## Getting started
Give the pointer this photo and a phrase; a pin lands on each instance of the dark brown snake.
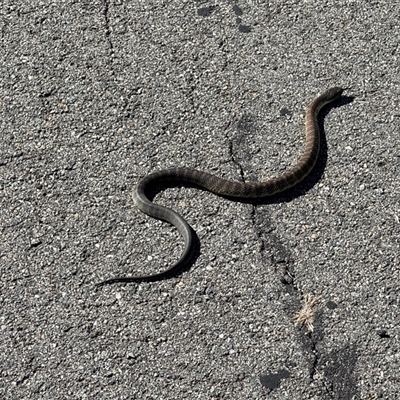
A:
(224, 187)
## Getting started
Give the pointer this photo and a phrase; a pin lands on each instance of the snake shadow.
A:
(286, 196)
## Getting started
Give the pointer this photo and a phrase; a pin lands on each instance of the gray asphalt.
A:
(97, 94)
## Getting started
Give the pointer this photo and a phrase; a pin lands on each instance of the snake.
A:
(225, 187)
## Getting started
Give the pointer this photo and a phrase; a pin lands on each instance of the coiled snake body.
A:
(224, 187)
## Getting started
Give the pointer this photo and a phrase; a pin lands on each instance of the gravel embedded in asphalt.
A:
(96, 95)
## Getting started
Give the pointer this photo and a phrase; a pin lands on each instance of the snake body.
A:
(224, 187)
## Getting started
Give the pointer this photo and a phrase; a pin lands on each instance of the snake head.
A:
(333, 93)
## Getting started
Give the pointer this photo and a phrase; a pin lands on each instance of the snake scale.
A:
(224, 187)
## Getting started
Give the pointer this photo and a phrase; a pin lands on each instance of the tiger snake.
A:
(224, 187)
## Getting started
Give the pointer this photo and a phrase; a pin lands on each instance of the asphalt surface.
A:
(97, 94)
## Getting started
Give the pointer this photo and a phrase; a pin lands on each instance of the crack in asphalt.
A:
(105, 12)
(282, 265)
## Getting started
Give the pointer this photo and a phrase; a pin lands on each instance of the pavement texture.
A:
(97, 94)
